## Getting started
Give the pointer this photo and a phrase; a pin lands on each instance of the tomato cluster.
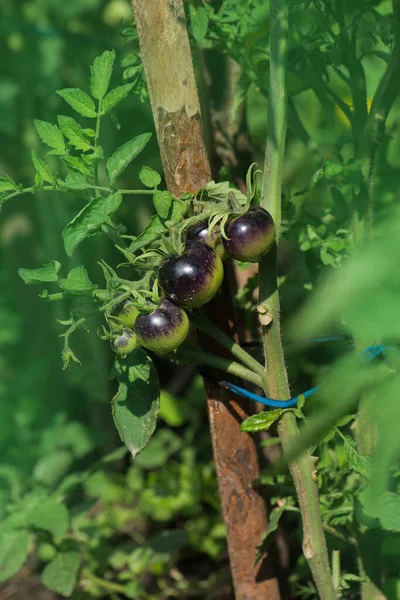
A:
(191, 279)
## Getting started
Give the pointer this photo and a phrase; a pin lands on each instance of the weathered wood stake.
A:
(174, 99)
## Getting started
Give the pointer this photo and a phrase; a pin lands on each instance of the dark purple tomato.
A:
(126, 312)
(200, 233)
(164, 329)
(250, 236)
(124, 343)
(194, 277)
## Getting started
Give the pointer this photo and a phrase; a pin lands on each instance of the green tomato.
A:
(127, 313)
(124, 343)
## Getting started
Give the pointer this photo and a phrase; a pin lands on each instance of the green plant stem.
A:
(205, 325)
(50, 188)
(103, 583)
(275, 376)
(198, 357)
(96, 143)
(336, 569)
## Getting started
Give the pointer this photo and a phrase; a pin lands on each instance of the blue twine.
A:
(369, 353)
(267, 401)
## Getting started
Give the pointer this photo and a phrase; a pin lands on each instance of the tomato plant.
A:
(315, 240)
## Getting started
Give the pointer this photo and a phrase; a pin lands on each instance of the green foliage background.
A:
(144, 524)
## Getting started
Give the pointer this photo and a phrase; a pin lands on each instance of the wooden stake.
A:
(166, 55)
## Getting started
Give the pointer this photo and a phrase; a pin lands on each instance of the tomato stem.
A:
(213, 331)
(276, 383)
(198, 357)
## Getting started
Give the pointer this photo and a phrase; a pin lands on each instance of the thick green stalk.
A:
(198, 357)
(276, 381)
(205, 325)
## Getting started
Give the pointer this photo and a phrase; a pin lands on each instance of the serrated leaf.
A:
(51, 136)
(50, 516)
(149, 177)
(89, 220)
(46, 274)
(359, 464)
(74, 162)
(274, 518)
(14, 548)
(61, 574)
(76, 181)
(157, 226)
(101, 74)
(77, 282)
(261, 421)
(80, 101)
(121, 158)
(74, 133)
(137, 402)
(345, 420)
(198, 22)
(7, 184)
(115, 96)
(89, 132)
(328, 436)
(162, 203)
(43, 171)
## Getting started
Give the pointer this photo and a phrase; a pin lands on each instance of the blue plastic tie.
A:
(369, 353)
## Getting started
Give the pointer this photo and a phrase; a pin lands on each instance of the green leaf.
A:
(76, 163)
(101, 74)
(261, 421)
(77, 282)
(115, 96)
(172, 409)
(357, 463)
(157, 226)
(149, 177)
(163, 444)
(7, 184)
(14, 548)
(50, 516)
(80, 101)
(61, 574)
(149, 234)
(74, 133)
(89, 220)
(133, 590)
(43, 172)
(199, 22)
(345, 420)
(385, 507)
(162, 203)
(51, 136)
(137, 402)
(328, 436)
(121, 158)
(46, 274)
(50, 468)
(274, 518)
(76, 181)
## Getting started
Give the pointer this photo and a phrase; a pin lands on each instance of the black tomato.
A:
(194, 277)
(164, 329)
(250, 236)
(126, 312)
(200, 233)
(124, 343)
